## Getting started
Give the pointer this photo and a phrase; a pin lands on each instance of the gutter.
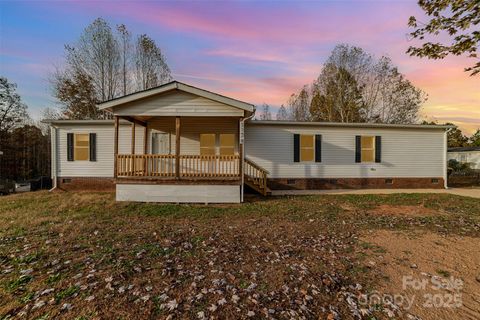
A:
(242, 123)
(53, 155)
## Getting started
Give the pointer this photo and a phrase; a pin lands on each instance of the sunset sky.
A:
(253, 51)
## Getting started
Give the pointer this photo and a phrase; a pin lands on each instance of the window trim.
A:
(313, 148)
(75, 153)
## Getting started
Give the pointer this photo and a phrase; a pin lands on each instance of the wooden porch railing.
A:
(209, 166)
(161, 165)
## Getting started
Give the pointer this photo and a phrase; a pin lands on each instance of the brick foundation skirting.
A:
(354, 183)
(108, 184)
(86, 183)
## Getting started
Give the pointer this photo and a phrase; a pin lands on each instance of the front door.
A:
(160, 143)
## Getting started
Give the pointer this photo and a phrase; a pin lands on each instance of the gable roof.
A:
(175, 85)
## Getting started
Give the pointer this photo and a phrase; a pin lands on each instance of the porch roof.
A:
(175, 85)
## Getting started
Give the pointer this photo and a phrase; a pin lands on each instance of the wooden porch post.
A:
(145, 162)
(177, 147)
(133, 149)
(115, 148)
(133, 137)
(145, 135)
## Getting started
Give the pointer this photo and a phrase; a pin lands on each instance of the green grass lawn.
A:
(84, 256)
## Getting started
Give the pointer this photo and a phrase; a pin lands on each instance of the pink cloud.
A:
(254, 56)
(262, 52)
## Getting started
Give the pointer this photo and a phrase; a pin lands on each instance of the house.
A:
(179, 143)
(466, 155)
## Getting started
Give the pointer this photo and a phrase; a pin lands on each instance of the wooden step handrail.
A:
(254, 164)
(257, 174)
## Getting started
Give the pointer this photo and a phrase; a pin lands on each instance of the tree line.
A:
(354, 86)
(25, 148)
(104, 63)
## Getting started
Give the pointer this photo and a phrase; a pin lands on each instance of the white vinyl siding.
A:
(405, 152)
(178, 103)
(191, 128)
(103, 166)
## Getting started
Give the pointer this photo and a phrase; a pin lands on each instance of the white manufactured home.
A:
(179, 143)
(470, 155)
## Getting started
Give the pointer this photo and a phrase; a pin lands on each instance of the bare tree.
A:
(103, 65)
(282, 113)
(97, 56)
(265, 114)
(125, 40)
(150, 64)
(354, 86)
(336, 96)
(48, 113)
(300, 104)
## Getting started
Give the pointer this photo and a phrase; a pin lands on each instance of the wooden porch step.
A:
(252, 183)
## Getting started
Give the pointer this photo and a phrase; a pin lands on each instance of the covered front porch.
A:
(206, 149)
(185, 145)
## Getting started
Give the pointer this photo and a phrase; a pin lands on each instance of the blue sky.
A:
(254, 51)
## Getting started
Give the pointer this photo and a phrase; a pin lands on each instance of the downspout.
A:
(53, 156)
(243, 154)
(445, 158)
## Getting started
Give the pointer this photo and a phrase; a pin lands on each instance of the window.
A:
(368, 148)
(81, 147)
(227, 144)
(207, 144)
(307, 145)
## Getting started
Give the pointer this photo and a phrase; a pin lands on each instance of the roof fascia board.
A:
(348, 125)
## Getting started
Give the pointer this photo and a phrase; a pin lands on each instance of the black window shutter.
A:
(296, 148)
(93, 146)
(69, 146)
(318, 148)
(378, 149)
(358, 148)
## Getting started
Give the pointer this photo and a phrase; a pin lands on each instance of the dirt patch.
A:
(430, 259)
(414, 211)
